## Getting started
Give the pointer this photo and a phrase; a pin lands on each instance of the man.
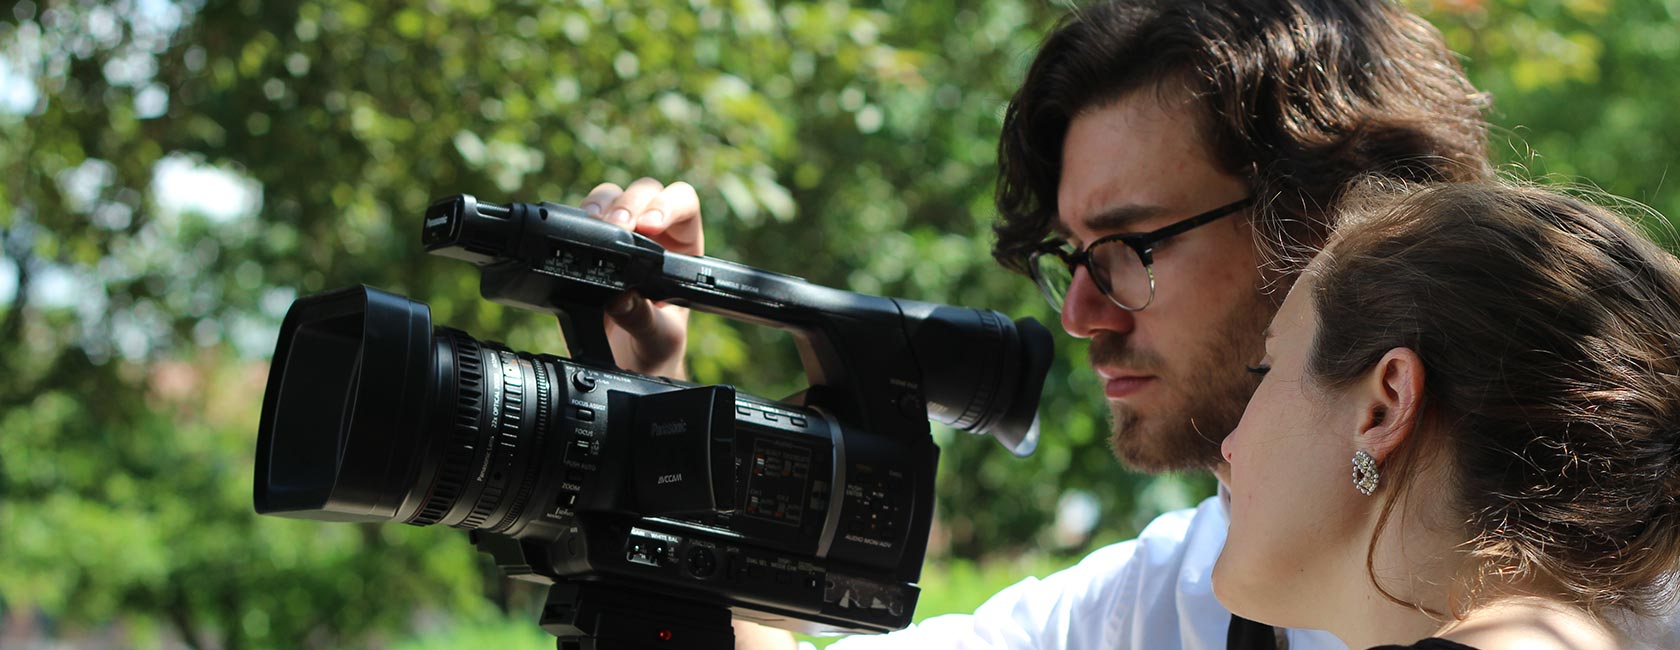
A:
(1151, 146)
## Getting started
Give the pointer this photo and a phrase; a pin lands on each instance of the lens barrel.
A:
(371, 415)
(499, 414)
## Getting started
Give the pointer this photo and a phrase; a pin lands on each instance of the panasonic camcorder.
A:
(656, 509)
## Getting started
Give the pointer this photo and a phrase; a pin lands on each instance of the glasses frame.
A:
(1141, 243)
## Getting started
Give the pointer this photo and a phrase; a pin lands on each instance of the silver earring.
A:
(1364, 472)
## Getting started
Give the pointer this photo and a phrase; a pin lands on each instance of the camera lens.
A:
(501, 402)
(371, 415)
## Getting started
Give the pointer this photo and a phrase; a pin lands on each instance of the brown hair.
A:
(1300, 98)
(1547, 328)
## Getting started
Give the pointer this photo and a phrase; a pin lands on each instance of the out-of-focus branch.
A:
(11, 324)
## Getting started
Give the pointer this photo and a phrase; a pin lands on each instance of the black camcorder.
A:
(656, 509)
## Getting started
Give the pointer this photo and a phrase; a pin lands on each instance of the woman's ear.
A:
(1391, 403)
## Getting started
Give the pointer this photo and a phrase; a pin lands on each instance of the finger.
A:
(628, 207)
(633, 313)
(646, 337)
(672, 217)
(599, 198)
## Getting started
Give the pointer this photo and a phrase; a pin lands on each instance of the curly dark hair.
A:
(1300, 97)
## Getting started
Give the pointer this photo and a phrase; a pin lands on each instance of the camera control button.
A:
(701, 562)
(911, 406)
(583, 381)
(583, 414)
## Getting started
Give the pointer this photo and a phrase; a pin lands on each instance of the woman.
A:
(1502, 366)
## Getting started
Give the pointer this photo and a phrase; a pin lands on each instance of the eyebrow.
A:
(1115, 219)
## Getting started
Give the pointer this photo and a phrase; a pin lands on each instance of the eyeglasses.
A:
(1122, 265)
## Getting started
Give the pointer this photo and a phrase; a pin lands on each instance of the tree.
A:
(851, 143)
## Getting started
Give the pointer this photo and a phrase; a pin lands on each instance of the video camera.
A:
(657, 509)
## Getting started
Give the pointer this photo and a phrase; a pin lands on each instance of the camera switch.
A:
(701, 562)
(910, 404)
(583, 381)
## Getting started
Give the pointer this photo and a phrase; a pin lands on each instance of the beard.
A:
(1204, 394)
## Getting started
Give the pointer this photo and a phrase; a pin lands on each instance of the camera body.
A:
(781, 510)
(809, 513)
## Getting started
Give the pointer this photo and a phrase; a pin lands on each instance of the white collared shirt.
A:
(1150, 593)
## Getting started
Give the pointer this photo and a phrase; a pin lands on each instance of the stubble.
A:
(1205, 394)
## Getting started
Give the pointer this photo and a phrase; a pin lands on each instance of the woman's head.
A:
(1511, 359)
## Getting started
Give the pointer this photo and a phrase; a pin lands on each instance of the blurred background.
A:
(174, 174)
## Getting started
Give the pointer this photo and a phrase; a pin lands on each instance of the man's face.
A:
(1174, 372)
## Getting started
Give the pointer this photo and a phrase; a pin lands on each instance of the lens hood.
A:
(346, 396)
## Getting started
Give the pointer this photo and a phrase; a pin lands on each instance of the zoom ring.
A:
(463, 432)
(503, 443)
(528, 482)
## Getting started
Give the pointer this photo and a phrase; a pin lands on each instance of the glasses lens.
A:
(1122, 275)
(1052, 276)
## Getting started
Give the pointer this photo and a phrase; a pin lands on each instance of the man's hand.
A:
(645, 337)
(651, 338)
(752, 636)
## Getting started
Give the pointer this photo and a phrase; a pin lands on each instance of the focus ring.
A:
(502, 443)
(533, 446)
(463, 432)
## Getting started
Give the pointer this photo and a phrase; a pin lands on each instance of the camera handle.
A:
(585, 331)
(580, 309)
(598, 616)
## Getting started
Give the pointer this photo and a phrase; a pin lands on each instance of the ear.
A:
(1391, 402)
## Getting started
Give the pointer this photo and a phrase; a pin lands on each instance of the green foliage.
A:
(1583, 90)
(850, 143)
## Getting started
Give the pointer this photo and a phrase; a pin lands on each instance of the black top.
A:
(1427, 644)
(1244, 634)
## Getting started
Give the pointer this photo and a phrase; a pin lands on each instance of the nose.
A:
(1086, 312)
